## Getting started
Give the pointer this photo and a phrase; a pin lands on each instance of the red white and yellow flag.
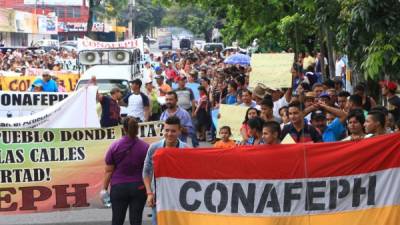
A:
(343, 183)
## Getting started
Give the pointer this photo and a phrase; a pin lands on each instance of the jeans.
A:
(192, 133)
(132, 195)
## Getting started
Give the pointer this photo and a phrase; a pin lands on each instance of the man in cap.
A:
(147, 71)
(138, 104)
(389, 89)
(162, 87)
(186, 101)
(170, 72)
(259, 92)
(185, 95)
(333, 131)
(110, 109)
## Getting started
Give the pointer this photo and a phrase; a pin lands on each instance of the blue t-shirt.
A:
(49, 86)
(334, 131)
(231, 99)
(195, 89)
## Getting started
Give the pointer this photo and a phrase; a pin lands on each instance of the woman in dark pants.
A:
(124, 165)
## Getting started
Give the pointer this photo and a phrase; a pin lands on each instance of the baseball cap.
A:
(324, 95)
(158, 77)
(193, 72)
(318, 115)
(180, 78)
(389, 85)
(158, 69)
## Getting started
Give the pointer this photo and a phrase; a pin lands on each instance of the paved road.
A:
(76, 217)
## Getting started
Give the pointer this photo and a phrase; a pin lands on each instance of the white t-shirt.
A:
(279, 104)
(147, 75)
(338, 68)
(135, 106)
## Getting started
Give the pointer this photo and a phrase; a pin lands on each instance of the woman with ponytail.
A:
(124, 166)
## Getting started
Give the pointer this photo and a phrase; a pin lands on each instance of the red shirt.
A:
(171, 74)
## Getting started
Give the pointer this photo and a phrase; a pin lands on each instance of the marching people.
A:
(375, 123)
(203, 113)
(255, 131)
(110, 109)
(172, 132)
(245, 129)
(47, 84)
(271, 133)
(138, 104)
(225, 134)
(300, 131)
(173, 109)
(355, 125)
(162, 87)
(123, 172)
(155, 107)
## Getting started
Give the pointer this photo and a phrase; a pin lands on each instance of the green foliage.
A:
(373, 36)
(189, 16)
(147, 15)
(111, 9)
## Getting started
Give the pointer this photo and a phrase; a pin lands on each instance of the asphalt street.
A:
(74, 217)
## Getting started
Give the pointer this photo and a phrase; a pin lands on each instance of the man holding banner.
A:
(172, 130)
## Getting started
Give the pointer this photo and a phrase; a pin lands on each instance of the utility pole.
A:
(131, 26)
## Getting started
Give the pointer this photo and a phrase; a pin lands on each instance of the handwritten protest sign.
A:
(232, 116)
(272, 70)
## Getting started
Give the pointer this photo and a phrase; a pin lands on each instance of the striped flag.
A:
(343, 183)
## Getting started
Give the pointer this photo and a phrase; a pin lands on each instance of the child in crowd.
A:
(256, 126)
(225, 142)
(284, 113)
(245, 130)
(271, 133)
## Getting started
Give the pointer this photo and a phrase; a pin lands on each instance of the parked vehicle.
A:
(229, 50)
(165, 40)
(199, 43)
(211, 47)
(185, 44)
(47, 44)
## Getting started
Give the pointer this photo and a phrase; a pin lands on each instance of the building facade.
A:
(72, 14)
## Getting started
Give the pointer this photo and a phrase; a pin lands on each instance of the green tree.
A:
(372, 36)
(105, 9)
(189, 16)
(147, 15)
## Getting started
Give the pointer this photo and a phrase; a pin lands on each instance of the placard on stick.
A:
(232, 116)
(271, 69)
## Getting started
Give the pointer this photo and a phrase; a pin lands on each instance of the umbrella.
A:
(238, 58)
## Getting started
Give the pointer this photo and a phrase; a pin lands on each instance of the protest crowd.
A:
(185, 90)
(194, 84)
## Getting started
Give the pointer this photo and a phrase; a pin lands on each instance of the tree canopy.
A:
(368, 31)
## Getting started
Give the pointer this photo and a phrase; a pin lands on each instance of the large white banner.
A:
(17, 104)
(88, 44)
(76, 111)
